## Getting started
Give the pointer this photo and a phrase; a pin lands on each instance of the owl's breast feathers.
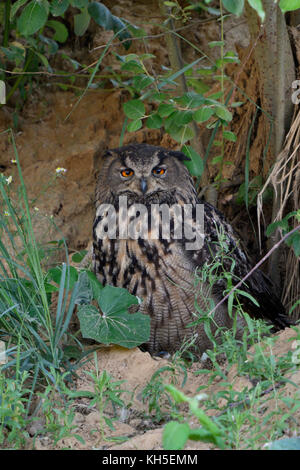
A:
(161, 271)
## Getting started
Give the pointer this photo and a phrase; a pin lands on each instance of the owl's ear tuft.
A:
(107, 153)
(162, 154)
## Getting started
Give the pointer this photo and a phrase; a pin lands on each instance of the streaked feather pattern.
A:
(162, 272)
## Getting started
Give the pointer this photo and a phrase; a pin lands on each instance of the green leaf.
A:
(50, 288)
(96, 285)
(223, 113)
(58, 7)
(289, 5)
(136, 31)
(79, 3)
(55, 275)
(296, 244)
(181, 134)
(229, 136)
(175, 435)
(203, 114)
(81, 22)
(237, 104)
(15, 7)
(101, 14)
(216, 43)
(217, 159)
(133, 66)
(191, 100)
(43, 59)
(103, 17)
(115, 325)
(294, 241)
(32, 18)
(157, 96)
(116, 300)
(134, 109)
(78, 257)
(176, 394)
(120, 27)
(292, 443)
(141, 81)
(134, 125)
(199, 6)
(249, 296)
(258, 7)
(183, 117)
(195, 165)
(61, 32)
(234, 6)
(164, 110)
(198, 85)
(201, 434)
(154, 121)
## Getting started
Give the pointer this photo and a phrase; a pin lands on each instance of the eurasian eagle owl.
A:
(163, 258)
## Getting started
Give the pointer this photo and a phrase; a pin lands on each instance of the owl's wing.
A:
(222, 247)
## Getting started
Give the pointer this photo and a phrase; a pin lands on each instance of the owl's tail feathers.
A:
(270, 306)
(271, 309)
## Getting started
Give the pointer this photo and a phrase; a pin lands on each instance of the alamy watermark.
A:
(157, 221)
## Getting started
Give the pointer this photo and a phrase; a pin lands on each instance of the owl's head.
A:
(144, 172)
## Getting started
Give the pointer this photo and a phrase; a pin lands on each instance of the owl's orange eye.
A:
(158, 171)
(126, 173)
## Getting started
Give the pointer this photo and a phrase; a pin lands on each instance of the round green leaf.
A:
(32, 18)
(165, 110)
(115, 325)
(134, 125)
(154, 122)
(141, 81)
(134, 109)
(183, 117)
(203, 114)
(223, 113)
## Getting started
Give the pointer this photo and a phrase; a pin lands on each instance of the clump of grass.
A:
(33, 333)
(35, 339)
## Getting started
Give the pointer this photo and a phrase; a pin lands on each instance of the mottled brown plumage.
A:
(162, 272)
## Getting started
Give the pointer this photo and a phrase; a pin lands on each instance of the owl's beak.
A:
(144, 185)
